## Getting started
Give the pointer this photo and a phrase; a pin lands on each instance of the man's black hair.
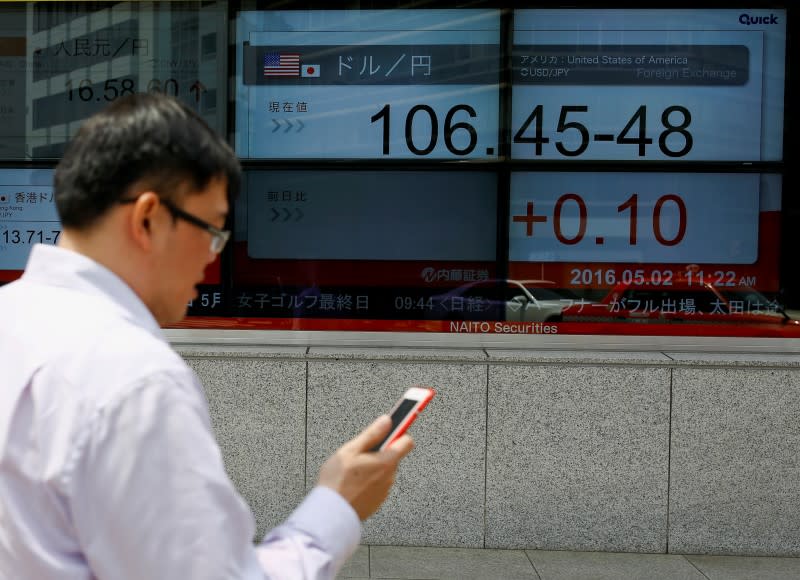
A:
(146, 138)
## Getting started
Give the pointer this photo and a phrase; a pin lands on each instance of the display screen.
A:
(370, 84)
(665, 233)
(317, 215)
(665, 85)
(27, 216)
(328, 243)
(398, 415)
(76, 58)
(676, 218)
(403, 409)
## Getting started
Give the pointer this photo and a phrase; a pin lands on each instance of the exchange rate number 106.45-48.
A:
(675, 120)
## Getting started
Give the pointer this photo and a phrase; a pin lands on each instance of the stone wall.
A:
(576, 450)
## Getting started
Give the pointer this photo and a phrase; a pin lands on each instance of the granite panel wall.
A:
(609, 451)
(735, 467)
(258, 412)
(578, 457)
(438, 498)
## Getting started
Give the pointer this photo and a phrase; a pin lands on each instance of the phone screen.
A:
(402, 410)
(397, 416)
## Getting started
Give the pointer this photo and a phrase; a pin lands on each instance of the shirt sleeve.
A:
(316, 540)
(150, 498)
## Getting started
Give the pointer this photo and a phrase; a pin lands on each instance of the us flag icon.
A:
(281, 64)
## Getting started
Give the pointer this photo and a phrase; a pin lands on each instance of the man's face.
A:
(183, 259)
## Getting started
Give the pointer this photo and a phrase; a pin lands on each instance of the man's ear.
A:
(141, 217)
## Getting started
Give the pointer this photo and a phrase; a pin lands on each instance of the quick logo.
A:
(751, 20)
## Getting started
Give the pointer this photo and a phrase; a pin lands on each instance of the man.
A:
(108, 465)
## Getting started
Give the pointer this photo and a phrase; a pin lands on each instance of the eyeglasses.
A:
(218, 237)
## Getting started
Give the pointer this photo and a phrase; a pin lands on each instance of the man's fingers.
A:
(372, 435)
(400, 448)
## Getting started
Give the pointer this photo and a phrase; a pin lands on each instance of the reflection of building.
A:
(12, 84)
(84, 55)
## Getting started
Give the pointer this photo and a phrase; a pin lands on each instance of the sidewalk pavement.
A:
(397, 562)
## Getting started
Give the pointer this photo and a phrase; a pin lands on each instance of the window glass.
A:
(466, 167)
(62, 61)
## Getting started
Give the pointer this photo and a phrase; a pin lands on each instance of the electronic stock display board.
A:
(590, 230)
(359, 244)
(654, 85)
(700, 92)
(608, 85)
(647, 85)
(27, 216)
(368, 84)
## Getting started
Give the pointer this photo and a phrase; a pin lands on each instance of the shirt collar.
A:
(56, 266)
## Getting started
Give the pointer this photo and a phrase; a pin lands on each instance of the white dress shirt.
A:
(108, 464)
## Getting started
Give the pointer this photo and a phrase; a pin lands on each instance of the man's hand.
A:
(361, 476)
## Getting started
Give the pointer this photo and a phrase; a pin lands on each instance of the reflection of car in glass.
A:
(681, 301)
(509, 300)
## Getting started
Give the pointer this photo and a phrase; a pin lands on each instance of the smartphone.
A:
(405, 411)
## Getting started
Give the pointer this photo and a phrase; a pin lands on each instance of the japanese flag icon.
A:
(309, 70)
